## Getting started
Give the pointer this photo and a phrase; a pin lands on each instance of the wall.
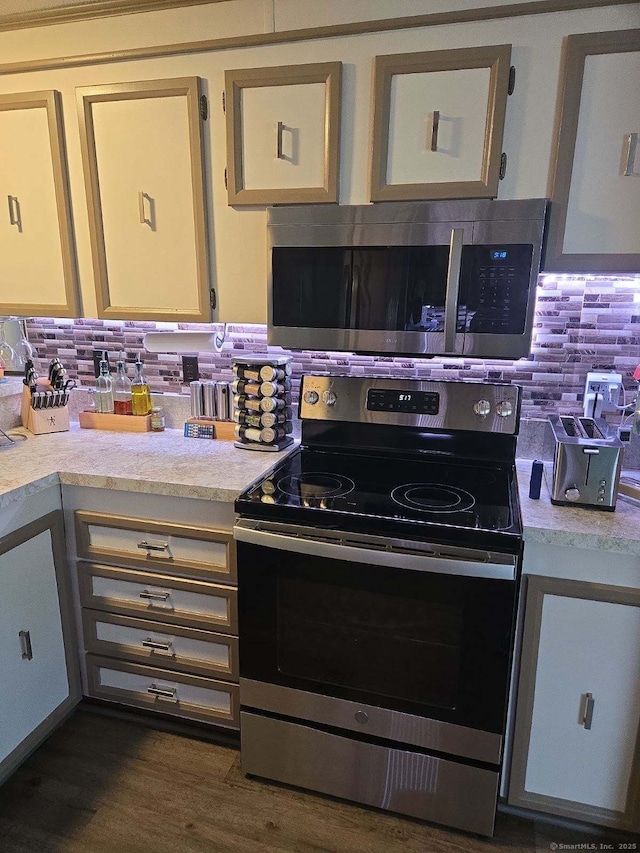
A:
(581, 324)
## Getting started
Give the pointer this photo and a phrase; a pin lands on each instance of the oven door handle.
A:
(394, 558)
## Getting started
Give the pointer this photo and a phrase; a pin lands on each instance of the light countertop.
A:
(163, 463)
(574, 526)
(167, 463)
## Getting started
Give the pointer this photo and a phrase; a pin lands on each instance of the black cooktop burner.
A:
(309, 485)
(409, 495)
(433, 497)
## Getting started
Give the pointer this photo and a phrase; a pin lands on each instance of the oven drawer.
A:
(212, 607)
(169, 646)
(159, 546)
(411, 783)
(176, 693)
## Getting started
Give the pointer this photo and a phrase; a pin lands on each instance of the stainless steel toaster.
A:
(586, 463)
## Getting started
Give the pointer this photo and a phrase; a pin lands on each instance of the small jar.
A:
(91, 401)
(157, 419)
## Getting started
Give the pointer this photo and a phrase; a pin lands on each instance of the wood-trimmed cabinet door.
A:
(38, 274)
(143, 163)
(283, 128)
(576, 750)
(39, 670)
(595, 195)
(438, 123)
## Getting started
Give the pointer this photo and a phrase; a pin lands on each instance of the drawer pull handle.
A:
(25, 641)
(587, 710)
(155, 596)
(629, 146)
(149, 546)
(153, 644)
(163, 692)
(279, 129)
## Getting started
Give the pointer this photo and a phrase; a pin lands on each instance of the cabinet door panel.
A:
(36, 251)
(460, 99)
(604, 205)
(143, 161)
(585, 647)
(31, 689)
(593, 222)
(291, 155)
(576, 743)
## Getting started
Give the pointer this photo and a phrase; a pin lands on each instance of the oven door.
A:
(421, 632)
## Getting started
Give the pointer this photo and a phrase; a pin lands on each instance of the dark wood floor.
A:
(102, 784)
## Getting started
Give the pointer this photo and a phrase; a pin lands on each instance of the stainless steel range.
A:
(378, 567)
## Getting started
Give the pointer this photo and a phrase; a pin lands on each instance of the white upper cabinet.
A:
(143, 163)
(37, 261)
(438, 123)
(283, 134)
(595, 208)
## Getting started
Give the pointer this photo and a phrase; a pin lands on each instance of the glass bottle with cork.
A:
(122, 389)
(140, 391)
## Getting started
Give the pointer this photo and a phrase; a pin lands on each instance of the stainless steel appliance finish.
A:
(401, 780)
(378, 550)
(462, 228)
(474, 407)
(587, 462)
(372, 720)
(223, 401)
(378, 568)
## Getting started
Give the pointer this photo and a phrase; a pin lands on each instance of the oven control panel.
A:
(474, 406)
(391, 400)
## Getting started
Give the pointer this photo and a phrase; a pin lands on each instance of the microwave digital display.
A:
(412, 402)
(499, 255)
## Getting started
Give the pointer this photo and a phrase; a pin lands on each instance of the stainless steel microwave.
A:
(451, 278)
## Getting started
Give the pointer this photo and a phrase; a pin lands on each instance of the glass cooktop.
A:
(344, 490)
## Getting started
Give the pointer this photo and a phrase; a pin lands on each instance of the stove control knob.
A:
(504, 409)
(329, 398)
(311, 397)
(572, 494)
(482, 408)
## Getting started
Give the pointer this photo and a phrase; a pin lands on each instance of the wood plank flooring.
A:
(108, 785)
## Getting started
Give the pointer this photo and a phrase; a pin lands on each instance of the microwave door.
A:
(405, 298)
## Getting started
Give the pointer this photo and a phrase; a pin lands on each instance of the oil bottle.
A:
(140, 393)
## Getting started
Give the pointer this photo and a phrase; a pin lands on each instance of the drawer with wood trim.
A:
(177, 601)
(159, 546)
(157, 644)
(187, 696)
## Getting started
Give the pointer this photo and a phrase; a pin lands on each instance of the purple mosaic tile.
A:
(582, 323)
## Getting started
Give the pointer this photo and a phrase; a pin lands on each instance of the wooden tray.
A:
(116, 423)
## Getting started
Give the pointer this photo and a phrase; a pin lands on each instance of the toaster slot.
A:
(590, 428)
(570, 427)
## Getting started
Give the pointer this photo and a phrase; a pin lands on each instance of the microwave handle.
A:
(453, 288)
(355, 295)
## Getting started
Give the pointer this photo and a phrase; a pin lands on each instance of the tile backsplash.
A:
(582, 323)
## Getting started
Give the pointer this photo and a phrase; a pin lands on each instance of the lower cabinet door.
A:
(38, 681)
(576, 748)
(177, 693)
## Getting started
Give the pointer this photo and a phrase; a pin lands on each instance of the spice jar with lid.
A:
(157, 419)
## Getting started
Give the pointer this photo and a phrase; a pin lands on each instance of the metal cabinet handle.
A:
(163, 692)
(144, 219)
(150, 546)
(591, 451)
(153, 644)
(279, 129)
(14, 212)
(155, 596)
(627, 162)
(587, 710)
(435, 124)
(453, 288)
(25, 642)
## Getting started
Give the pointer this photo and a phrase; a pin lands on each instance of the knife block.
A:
(43, 421)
